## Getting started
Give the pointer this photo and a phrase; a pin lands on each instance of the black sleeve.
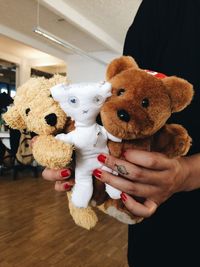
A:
(143, 34)
(165, 37)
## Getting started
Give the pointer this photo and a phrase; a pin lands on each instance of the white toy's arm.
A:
(113, 138)
(67, 138)
(110, 136)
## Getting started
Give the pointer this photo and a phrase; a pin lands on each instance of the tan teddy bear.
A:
(34, 109)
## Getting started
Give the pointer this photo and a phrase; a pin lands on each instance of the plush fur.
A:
(35, 110)
(139, 108)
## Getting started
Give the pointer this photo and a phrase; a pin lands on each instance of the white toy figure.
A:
(82, 102)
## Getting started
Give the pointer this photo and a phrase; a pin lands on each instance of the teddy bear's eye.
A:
(51, 96)
(121, 91)
(27, 111)
(145, 103)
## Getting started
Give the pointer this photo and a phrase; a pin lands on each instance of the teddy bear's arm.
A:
(115, 149)
(173, 140)
(52, 153)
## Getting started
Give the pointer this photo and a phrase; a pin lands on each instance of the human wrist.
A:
(185, 174)
(190, 169)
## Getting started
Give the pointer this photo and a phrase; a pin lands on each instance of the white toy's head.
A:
(82, 101)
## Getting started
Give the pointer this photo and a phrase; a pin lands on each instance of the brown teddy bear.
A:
(141, 103)
(35, 110)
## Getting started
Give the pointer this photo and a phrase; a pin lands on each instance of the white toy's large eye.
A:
(73, 101)
(98, 99)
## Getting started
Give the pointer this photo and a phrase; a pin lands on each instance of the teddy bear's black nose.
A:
(51, 119)
(123, 115)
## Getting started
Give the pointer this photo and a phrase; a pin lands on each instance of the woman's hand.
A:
(149, 175)
(59, 177)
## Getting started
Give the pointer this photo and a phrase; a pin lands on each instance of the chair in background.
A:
(21, 148)
(19, 157)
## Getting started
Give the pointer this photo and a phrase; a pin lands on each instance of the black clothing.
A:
(165, 37)
(5, 100)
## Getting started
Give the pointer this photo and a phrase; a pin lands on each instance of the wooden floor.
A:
(37, 230)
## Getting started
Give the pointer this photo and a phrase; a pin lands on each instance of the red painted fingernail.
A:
(65, 173)
(101, 158)
(97, 173)
(67, 186)
(123, 197)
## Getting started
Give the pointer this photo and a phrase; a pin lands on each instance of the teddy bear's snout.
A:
(51, 119)
(123, 115)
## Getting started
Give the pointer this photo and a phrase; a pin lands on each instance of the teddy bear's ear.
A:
(13, 119)
(180, 91)
(57, 79)
(120, 64)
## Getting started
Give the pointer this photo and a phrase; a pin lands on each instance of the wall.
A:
(79, 68)
(82, 69)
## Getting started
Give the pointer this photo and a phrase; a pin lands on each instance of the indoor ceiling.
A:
(21, 15)
(21, 50)
(111, 17)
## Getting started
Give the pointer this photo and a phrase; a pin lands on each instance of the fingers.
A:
(59, 177)
(144, 210)
(144, 172)
(124, 185)
(131, 171)
(146, 159)
(63, 186)
(56, 175)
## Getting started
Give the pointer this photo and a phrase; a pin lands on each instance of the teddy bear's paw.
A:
(116, 209)
(180, 142)
(84, 217)
(52, 153)
(182, 146)
(122, 216)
